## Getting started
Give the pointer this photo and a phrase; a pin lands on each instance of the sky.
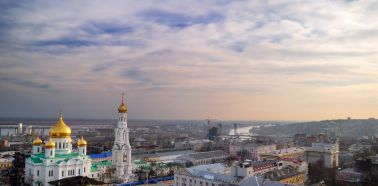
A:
(188, 59)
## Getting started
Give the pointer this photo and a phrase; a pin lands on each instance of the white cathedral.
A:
(55, 159)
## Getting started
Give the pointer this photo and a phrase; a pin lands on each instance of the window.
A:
(62, 173)
(84, 169)
(50, 152)
(79, 172)
(37, 172)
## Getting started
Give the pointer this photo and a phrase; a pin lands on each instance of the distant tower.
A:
(19, 129)
(338, 132)
(121, 153)
(235, 129)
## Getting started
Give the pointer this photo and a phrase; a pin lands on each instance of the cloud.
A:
(97, 27)
(24, 82)
(64, 42)
(179, 20)
(252, 50)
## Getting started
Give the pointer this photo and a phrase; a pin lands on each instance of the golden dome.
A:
(37, 141)
(122, 108)
(81, 142)
(60, 129)
(50, 144)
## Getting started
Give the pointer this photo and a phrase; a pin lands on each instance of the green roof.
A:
(37, 158)
(70, 155)
(96, 165)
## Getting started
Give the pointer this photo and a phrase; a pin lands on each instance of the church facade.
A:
(55, 159)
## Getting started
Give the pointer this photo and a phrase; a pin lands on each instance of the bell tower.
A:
(121, 152)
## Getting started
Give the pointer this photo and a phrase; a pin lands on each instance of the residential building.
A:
(250, 151)
(250, 168)
(201, 158)
(292, 152)
(204, 175)
(286, 175)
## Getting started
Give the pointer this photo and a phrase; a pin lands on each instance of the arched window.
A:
(37, 172)
(51, 152)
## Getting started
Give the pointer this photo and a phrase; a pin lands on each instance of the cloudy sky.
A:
(259, 60)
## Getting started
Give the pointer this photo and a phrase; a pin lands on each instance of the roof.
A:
(286, 151)
(277, 175)
(37, 158)
(247, 164)
(77, 180)
(205, 172)
(216, 168)
(101, 155)
(96, 165)
(257, 181)
(164, 155)
(204, 155)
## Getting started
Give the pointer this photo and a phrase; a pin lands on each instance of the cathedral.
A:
(55, 159)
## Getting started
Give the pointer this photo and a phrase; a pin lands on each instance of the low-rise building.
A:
(204, 175)
(250, 168)
(105, 156)
(349, 175)
(333, 146)
(258, 181)
(292, 153)
(286, 175)
(201, 158)
(6, 163)
(250, 151)
(329, 157)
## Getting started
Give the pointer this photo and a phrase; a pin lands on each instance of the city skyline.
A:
(229, 60)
